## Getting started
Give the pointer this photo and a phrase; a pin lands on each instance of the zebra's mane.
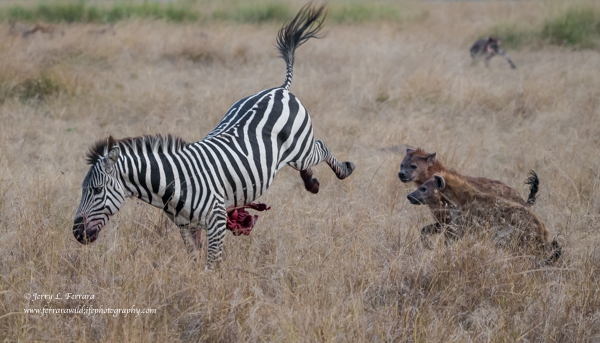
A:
(101, 147)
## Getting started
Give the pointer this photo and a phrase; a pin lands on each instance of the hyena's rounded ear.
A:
(440, 182)
(409, 151)
(431, 159)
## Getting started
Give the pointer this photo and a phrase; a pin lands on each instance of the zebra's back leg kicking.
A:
(310, 183)
(321, 153)
(341, 169)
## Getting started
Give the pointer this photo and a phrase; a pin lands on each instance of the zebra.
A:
(201, 185)
(488, 48)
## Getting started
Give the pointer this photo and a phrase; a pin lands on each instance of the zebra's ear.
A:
(112, 157)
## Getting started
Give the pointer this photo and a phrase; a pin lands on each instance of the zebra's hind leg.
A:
(217, 225)
(341, 169)
(311, 184)
(320, 153)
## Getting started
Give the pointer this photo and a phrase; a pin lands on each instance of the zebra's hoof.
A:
(349, 169)
(312, 186)
(315, 188)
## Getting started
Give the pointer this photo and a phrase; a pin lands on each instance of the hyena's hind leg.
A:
(192, 238)
(486, 60)
(319, 153)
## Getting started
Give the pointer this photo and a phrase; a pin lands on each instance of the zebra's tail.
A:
(307, 23)
(534, 183)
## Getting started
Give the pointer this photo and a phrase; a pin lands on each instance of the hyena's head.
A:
(493, 44)
(417, 166)
(101, 191)
(429, 193)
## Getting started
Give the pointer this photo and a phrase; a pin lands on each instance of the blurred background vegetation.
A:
(575, 24)
(186, 11)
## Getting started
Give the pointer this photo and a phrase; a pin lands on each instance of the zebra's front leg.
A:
(217, 225)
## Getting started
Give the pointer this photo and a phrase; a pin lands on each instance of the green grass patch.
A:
(256, 13)
(30, 90)
(80, 12)
(352, 13)
(148, 10)
(513, 36)
(578, 26)
(355, 13)
(239, 12)
(37, 89)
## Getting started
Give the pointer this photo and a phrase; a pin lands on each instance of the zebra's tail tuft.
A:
(307, 23)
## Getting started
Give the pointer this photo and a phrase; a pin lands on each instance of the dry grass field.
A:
(345, 265)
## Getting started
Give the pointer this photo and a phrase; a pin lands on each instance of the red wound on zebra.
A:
(239, 221)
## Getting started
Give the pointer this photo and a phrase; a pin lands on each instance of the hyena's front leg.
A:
(431, 229)
(192, 238)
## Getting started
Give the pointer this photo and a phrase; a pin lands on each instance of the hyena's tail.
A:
(534, 182)
(307, 23)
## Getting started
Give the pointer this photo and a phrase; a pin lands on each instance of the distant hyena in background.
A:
(488, 48)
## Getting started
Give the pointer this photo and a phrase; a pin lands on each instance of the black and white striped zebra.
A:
(197, 184)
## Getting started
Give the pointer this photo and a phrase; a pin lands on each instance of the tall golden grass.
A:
(343, 265)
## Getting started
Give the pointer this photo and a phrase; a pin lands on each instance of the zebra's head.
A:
(101, 191)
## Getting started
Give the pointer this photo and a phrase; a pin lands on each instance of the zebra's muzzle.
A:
(83, 235)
